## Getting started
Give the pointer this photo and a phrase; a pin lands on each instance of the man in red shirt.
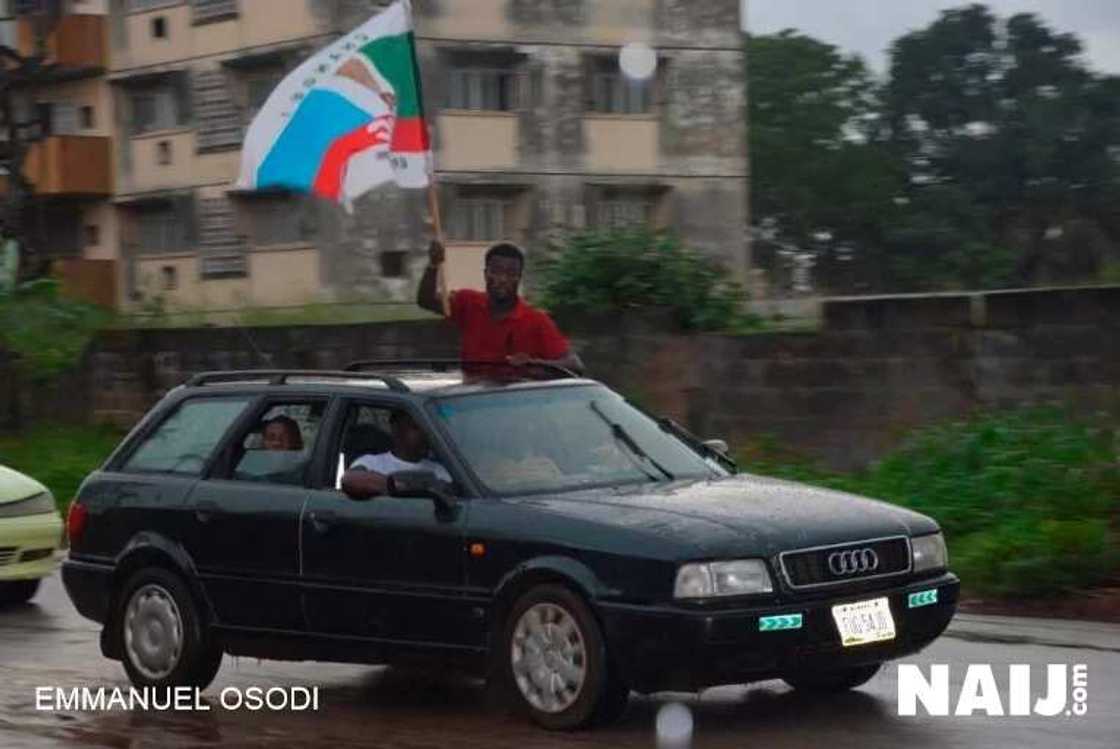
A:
(498, 325)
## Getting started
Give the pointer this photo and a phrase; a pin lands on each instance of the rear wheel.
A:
(18, 591)
(555, 661)
(838, 680)
(162, 639)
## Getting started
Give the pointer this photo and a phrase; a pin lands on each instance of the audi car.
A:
(30, 533)
(544, 533)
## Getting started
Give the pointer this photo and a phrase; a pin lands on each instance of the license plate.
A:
(864, 622)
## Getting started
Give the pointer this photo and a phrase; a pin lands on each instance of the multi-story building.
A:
(69, 217)
(536, 131)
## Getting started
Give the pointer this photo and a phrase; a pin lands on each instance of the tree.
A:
(1008, 120)
(819, 168)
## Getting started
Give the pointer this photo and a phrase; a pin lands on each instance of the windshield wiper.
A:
(624, 437)
(671, 427)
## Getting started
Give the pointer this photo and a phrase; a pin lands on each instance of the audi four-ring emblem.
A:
(853, 562)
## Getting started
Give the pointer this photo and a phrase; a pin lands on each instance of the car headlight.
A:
(930, 552)
(740, 577)
(37, 504)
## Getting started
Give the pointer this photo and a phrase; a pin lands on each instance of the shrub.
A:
(45, 330)
(612, 272)
(1028, 499)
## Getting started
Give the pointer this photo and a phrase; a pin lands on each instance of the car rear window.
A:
(186, 439)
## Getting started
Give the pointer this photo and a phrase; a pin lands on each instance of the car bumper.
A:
(667, 648)
(29, 546)
(88, 585)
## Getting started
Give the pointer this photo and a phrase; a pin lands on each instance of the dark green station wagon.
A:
(555, 540)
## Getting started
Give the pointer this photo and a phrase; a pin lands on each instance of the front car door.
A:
(387, 570)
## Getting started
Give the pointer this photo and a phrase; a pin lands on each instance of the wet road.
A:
(48, 644)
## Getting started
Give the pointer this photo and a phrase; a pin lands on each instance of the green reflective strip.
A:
(923, 598)
(775, 623)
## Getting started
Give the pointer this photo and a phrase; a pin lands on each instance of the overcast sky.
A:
(869, 26)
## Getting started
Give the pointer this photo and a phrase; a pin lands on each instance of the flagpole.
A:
(437, 225)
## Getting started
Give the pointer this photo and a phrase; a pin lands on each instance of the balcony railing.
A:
(70, 165)
(76, 40)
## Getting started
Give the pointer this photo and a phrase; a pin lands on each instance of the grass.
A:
(59, 456)
(1029, 500)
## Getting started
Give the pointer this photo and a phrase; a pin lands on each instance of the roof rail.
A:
(280, 377)
(443, 365)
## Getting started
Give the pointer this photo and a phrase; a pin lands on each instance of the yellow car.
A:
(30, 533)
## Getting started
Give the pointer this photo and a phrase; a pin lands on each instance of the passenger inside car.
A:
(410, 451)
(281, 433)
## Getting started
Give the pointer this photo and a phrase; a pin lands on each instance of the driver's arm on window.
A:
(358, 483)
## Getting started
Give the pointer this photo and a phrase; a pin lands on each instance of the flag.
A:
(347, 120)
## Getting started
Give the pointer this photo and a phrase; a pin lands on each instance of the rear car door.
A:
(246, 514)
(386, 569)
(143, 494)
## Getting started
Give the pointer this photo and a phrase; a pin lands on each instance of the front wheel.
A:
(162, 639)
(838, 680)
(555, 661)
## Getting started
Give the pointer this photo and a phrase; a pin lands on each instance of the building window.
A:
(626, 208)
(392, 264)
(478, 219)
(281, 220)
(163, 152)
(159, 27)
(93, 235)
(482, 89)
(257, 90)
(160, 230)
(611, 92)
(155, 109)
(86, 118)
(169, 277)
(139, 5)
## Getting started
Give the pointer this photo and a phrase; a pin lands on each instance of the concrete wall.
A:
(878, 369)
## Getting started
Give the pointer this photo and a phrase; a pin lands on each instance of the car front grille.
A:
(7, 555)
(846, 563)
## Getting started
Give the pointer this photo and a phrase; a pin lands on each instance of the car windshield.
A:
(566, 438)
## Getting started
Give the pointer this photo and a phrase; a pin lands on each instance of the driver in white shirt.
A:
(410, 452)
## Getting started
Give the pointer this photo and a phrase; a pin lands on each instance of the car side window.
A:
(277, 447)
(184, 441)
(372, 432)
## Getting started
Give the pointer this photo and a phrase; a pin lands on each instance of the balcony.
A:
(76, 165)
(471, 140)
(76, 41)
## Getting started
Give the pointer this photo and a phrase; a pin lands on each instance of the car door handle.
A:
(321, 520)
(205, 511)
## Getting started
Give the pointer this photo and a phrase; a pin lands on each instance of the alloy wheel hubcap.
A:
(549, 658)
(153, 632)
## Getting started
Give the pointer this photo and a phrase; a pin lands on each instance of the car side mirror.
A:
(420, 485)
(720, 446)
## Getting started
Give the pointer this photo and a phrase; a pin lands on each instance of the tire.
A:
(563, 681)
(160, 634)
(18, 591)
(840, 680)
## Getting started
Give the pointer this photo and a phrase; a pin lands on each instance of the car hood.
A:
(740, 515)
(14, 486)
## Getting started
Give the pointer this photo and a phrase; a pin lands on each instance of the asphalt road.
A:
(46, 644)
